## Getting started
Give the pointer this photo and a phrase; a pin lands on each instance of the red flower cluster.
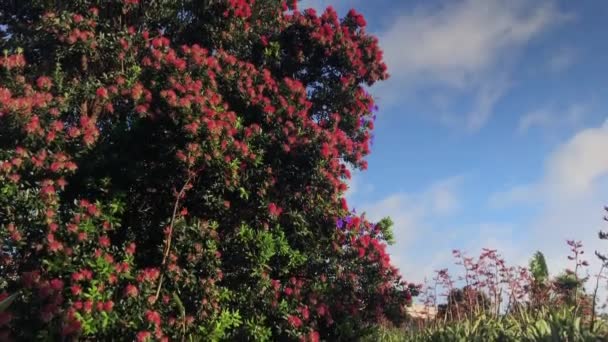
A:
(191, 149)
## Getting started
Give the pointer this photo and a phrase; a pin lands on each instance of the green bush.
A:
(174, 170)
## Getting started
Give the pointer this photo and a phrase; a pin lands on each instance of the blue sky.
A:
(491, 130)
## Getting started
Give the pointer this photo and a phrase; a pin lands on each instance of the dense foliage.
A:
(175, 169)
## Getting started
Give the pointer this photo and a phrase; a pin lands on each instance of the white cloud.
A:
(462, 38)
(441, 197)
(551, 118)
(488, 94)
(516, 195)
(538, 117)
(577, 219)
(411, 214)
(460, 45)
(476, 236)
(571, 194)
(438, 199)
(576, 166)
(356, 185)
(572, 170)
(568, 200)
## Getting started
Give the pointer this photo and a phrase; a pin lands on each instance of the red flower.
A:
(56, 284)
(87, 274)
(131, 291)
(130, 250)
(108, 306)
(77, 18)
(304, 312)
(153, 317)
(274, 210)
(104, 241)
(325, 150)
(294, 321)
(123, 267)
(93, 210)
(82, 236)
(102, 93)
(359, 20)
(143, 336)
(77, 276)
(76, 290)
(344, 204)
(44, 83)
(361, 252)
(321, 310)
(88, 306)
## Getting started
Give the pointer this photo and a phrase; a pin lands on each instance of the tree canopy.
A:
(177, 169)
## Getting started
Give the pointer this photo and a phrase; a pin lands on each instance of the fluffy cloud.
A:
(578, 164)
(570, 195)
(567, 203)
(425, 234)
(462, 38)
(574, 170)
(412, 215)
(356, 186)
(461, 45)
(465, 48)
(551, 118)
(521, 194)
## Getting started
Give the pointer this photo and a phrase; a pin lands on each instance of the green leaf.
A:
(6, 302)
(538, 268)
(180, 305)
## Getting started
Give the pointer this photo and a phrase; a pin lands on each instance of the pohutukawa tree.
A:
(176, 169)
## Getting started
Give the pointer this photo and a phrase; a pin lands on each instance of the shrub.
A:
(176, 169)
